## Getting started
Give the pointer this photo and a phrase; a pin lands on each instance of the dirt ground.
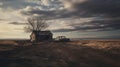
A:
(83, 53)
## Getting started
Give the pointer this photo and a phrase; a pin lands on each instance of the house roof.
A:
(42, 32)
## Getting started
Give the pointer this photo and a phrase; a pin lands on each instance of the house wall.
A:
(44, 37)
(32, 37)
(40, 37)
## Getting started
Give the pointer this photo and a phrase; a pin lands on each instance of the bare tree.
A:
(36, 24)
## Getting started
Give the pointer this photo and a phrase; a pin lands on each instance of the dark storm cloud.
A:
(95, 25)
(63, 30)
(107, 10)
(17, 23)
(110, 8)
(89, 8)
(16, 4)
(99, 25)
(50, 14)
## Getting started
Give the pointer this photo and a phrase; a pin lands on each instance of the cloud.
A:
(109, 8)
(70, 3)
(69, 8)
(16, 4)
(93, 25)
(17, 23)
(51, 13)
(79, 8)
(106, 13)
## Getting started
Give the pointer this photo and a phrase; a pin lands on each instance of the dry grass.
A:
(8, 42)
(84, 53)
(98, 44)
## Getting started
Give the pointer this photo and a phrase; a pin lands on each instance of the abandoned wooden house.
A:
(41, 36)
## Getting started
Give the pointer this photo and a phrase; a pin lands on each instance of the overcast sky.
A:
(72, 18)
